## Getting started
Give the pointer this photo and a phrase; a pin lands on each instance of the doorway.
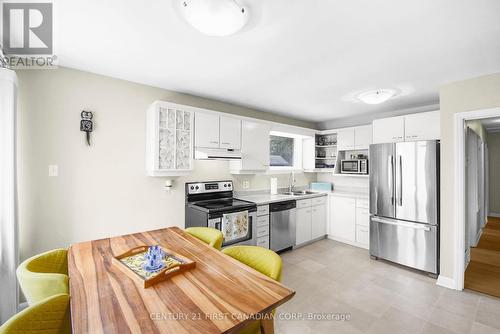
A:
(478, 149)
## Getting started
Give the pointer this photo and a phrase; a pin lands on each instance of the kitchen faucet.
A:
(291, 181)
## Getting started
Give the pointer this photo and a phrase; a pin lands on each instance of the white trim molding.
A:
(494, 214)
(459, 198)
(446, 282)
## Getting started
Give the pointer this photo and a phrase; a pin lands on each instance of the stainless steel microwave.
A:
(354, 166)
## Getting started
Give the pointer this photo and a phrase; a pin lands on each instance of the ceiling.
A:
(302, 59)
(491, 124)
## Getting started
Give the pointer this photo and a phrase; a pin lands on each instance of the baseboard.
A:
(467, 258)
(494, 214)
(479, 234)
(446, 282)
(349, 242)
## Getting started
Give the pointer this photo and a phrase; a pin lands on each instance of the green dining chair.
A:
(208, 235)
(44, 275)
(261, 259)
(49, 316)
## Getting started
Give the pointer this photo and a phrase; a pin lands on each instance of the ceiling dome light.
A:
(376, 96)
(214, 17)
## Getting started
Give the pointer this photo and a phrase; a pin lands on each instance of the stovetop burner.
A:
(222, 204)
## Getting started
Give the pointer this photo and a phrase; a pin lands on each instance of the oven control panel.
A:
(209, 187)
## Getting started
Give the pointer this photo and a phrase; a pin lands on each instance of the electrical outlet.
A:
(53, 170)
(246, 184)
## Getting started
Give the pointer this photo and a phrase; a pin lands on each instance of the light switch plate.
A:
(246, 184)
(53, 170)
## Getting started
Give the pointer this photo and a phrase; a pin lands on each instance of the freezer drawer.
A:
(411, 244)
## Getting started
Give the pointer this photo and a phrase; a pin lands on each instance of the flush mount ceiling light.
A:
(376, 96)
(214, 17)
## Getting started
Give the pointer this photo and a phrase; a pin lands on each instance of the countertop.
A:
(266, 198)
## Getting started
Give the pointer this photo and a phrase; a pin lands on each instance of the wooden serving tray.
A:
(131, 263)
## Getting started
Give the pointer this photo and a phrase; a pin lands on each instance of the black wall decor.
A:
(86, 124)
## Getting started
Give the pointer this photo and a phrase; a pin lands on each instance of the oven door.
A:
(234, 227)
(350, 166)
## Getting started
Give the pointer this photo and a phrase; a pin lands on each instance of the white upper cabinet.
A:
(308, 154)
(423, 126)
(254, 149)
(207, 130)
(389, 130)
(230, 133)
(362, 137)
(169, 139)
(345, 139)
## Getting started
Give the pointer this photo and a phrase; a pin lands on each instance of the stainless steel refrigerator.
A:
(404, 204)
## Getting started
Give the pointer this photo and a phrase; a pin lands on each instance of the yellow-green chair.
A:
(261, 259)
(211, 236)
(44, 275)
(49, 316)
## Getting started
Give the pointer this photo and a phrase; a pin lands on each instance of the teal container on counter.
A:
(321, 186)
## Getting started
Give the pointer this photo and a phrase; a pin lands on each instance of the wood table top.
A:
(217, 296)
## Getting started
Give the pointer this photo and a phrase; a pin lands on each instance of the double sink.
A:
(298, 193)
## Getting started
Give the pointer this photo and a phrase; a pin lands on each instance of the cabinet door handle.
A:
(214, 142)
(225, 143)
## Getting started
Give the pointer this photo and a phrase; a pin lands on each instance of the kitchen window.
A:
(284, 152)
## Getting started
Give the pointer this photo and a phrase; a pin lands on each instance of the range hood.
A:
(201, 153)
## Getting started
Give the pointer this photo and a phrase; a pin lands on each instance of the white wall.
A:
(352, 183)
(468, 95)
(101, 190)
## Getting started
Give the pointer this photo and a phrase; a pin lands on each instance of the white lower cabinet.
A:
(318, 228)
(303, 226)
(311, 220)
(343, 218)
(262, 226)
(350, 220)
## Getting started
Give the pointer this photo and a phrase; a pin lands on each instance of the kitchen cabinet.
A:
(362, 137)
(362, 222)
(389, 130)
(230, 133)
(311, 219)
(214, 131)
(349, 220)
(169, 139)
(318, 221)
(263, 226)
(343, 218)
(207, 130)
(346, 139)
(308, 154)
(254, 149)
(423, 126)
(413, 127)
(303, 225)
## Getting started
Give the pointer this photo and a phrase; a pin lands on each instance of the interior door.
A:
(382, 166)
(416, 181)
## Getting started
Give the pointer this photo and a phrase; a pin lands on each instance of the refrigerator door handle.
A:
(391, 177)
(403, 224)
(399, 182)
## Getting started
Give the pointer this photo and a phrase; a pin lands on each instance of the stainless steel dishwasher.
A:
(282, 225)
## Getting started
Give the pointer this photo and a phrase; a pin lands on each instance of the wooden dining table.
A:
(219, 295)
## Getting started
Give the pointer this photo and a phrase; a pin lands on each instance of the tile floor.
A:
(334, 279)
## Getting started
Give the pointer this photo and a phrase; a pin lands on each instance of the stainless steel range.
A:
(211, 204)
